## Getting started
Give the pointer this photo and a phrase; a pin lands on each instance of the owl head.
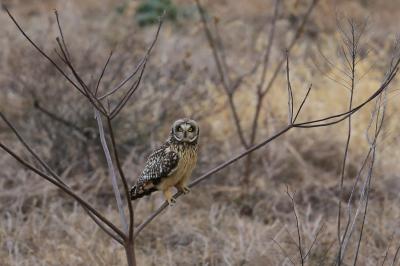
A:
(185, 130)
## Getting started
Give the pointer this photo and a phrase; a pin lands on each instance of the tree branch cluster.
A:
(104, 111)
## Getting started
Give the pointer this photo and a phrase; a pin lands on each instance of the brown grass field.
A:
(229, 219)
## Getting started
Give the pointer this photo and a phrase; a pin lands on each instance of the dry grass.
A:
(216, 224)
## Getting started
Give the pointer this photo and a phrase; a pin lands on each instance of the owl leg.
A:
(169, 196)
(182, 184)
(182, 187)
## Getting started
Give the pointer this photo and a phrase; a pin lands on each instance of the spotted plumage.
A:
(170, 165)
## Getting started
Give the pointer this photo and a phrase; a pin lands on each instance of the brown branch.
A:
(314, 241)
(297, 35)
(102, 74)
(261, 91)
(127, 96)
(269, 46)
(55, 176)
(395, 255)
(379, 121)
(342, 116)
(211, 172)
(59, 119)
(141, 63)
(138, 67)
(62, 35)
(387, 250)
(310, 124)
(302, 103)
(76, 80)
(43, 53)
(283, 250)
(111, 170)
(354, 53)
(63, 188)
(223, 76)
(89, 94)
(299, 242)
(290, 91)
(123, 178)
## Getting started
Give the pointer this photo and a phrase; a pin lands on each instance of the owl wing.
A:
(160, 164)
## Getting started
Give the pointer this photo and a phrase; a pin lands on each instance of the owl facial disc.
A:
(185, 130)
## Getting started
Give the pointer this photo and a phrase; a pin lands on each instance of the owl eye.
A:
(180, 129)
(190, 129)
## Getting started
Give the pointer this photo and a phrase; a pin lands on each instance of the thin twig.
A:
(290, 91)
(299, 242)
(302, 103)
(395, 255)
(283, 251)
(62, 35)
(59, 119)
(102, 74)
(314, 241)
(141, 63)
(354, 53)
(387, 250)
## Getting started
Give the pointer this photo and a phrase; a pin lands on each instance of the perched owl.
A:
(170, 165)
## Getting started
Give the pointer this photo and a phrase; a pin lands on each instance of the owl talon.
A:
(171, 201)
(185, 190)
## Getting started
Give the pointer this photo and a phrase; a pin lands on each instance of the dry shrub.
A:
(215, 224)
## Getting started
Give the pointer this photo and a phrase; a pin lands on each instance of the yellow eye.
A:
(190, 129)
(180, 129)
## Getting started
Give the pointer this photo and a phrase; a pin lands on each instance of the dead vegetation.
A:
(217, 224)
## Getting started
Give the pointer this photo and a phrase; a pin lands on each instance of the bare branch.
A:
(82, 132)
(43, 53)
(127, 96)
(290, 92)
(379, 120)
(314, 241)
(297, 35)
(283, 251)
(387, 251)
(299, 242)
(269, 46)
(342, 116)
(395, 255)
(62, 35)
(261, 91)
(354, 53)
(209, 173)
(123, 178)
(102, 74)
(63, 188)
(141, 64)
(223, 76)
(57, 178)
(111, 170)
(302, 103)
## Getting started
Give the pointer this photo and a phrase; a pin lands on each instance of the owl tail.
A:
(141, 191)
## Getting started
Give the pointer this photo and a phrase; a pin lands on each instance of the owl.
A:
(171, 164)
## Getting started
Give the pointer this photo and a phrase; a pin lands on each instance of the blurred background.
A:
(241, 215)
